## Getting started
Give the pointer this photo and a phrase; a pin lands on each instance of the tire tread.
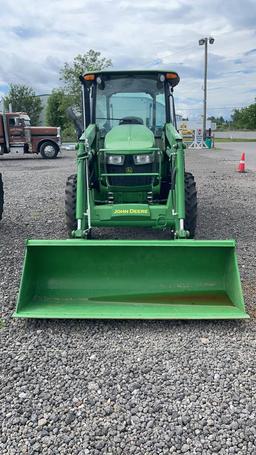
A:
(70, 203)
(190, 204)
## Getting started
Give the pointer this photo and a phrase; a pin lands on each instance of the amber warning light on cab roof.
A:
(89, 77)
(171, 76)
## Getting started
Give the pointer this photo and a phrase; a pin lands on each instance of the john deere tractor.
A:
(134, 156)
(130, 172)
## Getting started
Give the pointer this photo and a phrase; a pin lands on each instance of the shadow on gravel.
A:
(37, 168)
(27, 158)
(95, 326)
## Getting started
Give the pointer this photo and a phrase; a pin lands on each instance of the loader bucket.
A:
(180, 279)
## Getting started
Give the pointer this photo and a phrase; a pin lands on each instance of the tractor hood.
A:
(129, 137)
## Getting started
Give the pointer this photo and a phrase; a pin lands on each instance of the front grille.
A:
(133, 180)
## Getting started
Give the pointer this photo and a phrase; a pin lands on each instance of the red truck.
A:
(1, 196)
(17, 135)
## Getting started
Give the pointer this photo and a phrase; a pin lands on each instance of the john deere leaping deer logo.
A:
(129, 170)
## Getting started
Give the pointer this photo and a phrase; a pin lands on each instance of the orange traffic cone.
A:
(241, 166)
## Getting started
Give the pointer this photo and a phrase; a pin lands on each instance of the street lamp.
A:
(204, 42)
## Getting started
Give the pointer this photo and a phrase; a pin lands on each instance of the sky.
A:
(37, 38)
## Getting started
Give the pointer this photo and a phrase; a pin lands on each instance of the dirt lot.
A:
(120, 387)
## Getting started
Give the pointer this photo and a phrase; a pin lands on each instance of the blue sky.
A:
(38, 37)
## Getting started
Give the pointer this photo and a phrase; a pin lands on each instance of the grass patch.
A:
(227, 139)
(68, 140)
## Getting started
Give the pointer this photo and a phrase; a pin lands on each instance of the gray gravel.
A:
(119, 387)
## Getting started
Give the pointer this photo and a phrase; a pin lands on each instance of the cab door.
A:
(16, 130)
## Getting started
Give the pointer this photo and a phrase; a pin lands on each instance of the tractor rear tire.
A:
(1, 197)
(70, 203)
(190, 204)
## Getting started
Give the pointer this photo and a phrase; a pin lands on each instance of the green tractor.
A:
(130, 172)
(134, 157)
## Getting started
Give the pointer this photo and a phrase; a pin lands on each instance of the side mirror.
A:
(76, 120)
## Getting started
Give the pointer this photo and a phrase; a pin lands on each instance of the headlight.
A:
(115, 159)
(143, 159)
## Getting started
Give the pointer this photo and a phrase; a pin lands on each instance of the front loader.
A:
(130, 173)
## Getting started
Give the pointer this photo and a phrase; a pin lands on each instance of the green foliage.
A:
(245, 117)
(54, 110)
(69, 133)
(24, 99)
(220, 121)
(70, 95)
(69, 74)
(57, 104)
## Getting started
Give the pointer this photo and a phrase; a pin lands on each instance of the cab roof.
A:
(16, 113)
(173, 81)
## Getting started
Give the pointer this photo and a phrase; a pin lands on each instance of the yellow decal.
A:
(131, 212)
(129, 170)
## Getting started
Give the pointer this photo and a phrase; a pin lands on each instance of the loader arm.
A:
(84, 156)
(176, 156)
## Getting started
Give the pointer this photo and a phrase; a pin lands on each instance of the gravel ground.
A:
(120, 387)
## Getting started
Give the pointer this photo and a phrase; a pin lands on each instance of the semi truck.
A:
(18, 136)
(1, 196)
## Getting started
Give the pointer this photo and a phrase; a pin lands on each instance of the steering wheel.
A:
(131, 121)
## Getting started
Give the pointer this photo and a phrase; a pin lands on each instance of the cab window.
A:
(15, 121)
(12, 121)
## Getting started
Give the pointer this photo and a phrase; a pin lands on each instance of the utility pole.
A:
(204, 42)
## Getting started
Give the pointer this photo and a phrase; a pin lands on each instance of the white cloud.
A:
(37, 38)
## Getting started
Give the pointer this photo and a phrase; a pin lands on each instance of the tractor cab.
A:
(130, 110)
(118, 98)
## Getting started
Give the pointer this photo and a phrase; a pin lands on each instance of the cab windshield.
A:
(25, 119)
(130, 99)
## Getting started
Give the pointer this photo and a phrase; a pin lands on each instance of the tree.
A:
(24, 99)
(218, 120)
(245, 117)
(57, 104)
(55, 109)
(69, 74)
(251, 116)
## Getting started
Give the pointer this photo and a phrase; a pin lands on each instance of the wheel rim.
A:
(49, 151)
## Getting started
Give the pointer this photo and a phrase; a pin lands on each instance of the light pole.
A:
(204, 41)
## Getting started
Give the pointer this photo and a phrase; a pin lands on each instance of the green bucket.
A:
(180, 279)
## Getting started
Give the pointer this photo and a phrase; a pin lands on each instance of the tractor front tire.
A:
(70, 203)
(1, 197)
(190, 204)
